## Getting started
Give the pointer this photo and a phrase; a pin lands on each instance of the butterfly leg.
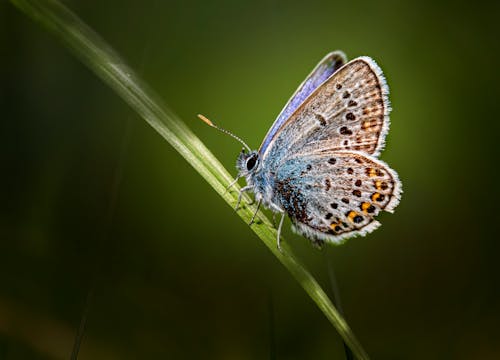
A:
(233, 183)
(279, 232)
(240, 195)
(255, 213)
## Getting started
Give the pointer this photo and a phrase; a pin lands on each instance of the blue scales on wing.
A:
(349, 111)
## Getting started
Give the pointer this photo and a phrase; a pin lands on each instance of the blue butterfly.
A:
(319, 161)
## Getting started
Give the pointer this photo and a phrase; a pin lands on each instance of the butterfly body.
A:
(319, 162)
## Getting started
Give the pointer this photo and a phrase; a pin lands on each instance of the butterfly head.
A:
(247, 162)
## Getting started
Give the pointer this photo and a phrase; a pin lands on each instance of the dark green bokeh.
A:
(172, 272)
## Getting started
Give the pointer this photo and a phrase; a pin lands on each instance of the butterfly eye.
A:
(251, 162)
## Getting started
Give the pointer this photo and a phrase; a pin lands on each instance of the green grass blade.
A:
(108, 66)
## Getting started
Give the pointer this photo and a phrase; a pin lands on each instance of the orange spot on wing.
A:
(371, 172)
(352, 215)
(335, 227)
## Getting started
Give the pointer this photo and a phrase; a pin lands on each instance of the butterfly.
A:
(319, 162)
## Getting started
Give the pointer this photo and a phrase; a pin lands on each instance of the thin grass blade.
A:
(95, 53)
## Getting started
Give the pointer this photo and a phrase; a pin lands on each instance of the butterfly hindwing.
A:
(335, 195)
(349, 111)
(326, 67)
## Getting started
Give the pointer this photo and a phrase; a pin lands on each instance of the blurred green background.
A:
(94, 201)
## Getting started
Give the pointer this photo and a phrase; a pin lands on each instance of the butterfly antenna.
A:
(209, 123)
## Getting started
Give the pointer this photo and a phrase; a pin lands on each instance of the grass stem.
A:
(95, 53)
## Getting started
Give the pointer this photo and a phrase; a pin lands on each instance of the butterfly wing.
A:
(326, 67)
(349, 111)
(335, 195)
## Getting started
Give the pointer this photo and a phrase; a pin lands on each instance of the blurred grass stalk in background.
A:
(108, 66)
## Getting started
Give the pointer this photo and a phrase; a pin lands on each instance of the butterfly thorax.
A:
(259, 181)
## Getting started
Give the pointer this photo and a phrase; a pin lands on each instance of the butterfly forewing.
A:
(349, 111)
(326, 67)
(335, 195)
